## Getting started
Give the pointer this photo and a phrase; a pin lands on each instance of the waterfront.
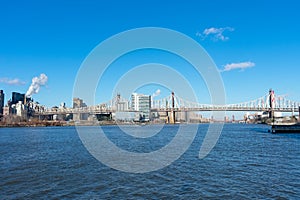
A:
(247, 162)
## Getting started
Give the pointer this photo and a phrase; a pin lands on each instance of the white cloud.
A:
(215, 33)
(241, 65)
(14, 81)
(157, 93)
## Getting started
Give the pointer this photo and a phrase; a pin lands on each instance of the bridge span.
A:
(173, 103)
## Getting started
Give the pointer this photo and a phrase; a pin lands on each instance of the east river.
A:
(52, 163)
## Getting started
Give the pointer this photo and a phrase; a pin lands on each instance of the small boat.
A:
(285, 128)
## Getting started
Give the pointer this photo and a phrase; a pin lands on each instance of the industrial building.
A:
(121, 104)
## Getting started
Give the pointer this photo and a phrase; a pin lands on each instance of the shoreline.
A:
(90, 123)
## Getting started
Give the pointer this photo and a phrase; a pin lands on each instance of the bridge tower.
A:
(271, 103)
(173, 118)
(299, 114)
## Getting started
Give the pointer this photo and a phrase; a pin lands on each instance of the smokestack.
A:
(24, 99)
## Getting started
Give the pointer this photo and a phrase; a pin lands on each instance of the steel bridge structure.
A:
(177, 104)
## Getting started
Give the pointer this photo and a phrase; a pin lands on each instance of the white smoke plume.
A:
(36, 84)
(157, 93)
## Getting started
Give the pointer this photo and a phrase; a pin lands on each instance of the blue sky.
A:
(257, 42)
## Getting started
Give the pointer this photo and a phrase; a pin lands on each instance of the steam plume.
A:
(36, 84)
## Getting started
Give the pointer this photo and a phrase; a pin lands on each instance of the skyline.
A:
(254, 45)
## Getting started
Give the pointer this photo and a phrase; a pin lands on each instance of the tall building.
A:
(134, 101)
(78, 103)
(7, 110)
(1, 102)
(16, 97)
(142, 103)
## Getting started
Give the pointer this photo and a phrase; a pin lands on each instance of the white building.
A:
(142, 103)
(21, 109)
(62, 105)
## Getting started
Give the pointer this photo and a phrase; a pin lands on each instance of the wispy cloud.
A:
(215, 34)
(240, 65)
(156, 93)
(14, 81)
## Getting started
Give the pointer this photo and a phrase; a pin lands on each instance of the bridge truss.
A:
(259, 104)
(121, 104)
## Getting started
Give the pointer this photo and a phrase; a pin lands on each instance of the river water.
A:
(247, 162)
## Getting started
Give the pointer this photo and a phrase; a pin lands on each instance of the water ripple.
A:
(247, 163)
